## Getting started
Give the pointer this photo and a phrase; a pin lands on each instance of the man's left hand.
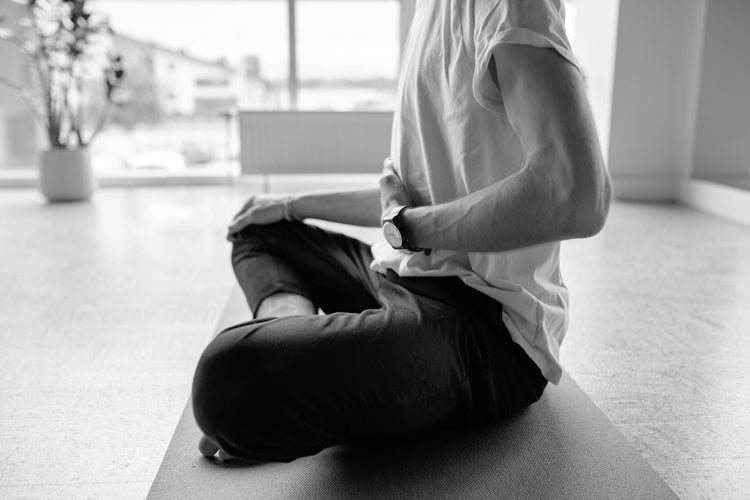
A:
(392, 190)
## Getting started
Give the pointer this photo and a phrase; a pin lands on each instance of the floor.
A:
(105, 308)
(737, 181)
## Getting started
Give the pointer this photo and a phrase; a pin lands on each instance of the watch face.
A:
(392, 235)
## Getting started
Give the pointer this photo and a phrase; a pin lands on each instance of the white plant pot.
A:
(66, 175)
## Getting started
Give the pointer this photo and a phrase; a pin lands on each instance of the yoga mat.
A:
(561, 447)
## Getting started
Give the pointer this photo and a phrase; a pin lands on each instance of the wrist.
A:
(289, 212)
(399, 232)
(408, 222)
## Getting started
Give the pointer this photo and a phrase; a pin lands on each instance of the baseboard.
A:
(717, 199)
(645, 188)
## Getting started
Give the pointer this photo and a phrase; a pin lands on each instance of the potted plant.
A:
(63, 42)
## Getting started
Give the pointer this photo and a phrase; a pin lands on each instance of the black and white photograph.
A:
(374, 249)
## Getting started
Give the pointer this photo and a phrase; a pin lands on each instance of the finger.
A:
(390, 183)
(240, 223)
(393, 196)
(389, 171)
(234, 228)
(388, 166)
(207, 447)
(242, 213)
(247, 205)
(392, 189)
(236, 220)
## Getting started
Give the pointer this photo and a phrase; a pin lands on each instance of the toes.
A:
(207, 447)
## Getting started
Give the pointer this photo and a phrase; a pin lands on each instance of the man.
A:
(458, 319)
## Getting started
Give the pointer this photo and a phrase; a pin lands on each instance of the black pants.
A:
(391, 355)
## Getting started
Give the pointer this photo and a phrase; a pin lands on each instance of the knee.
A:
(223, 385)
(215, 384)
(265, 232)
(251, 238)
(260, 238)
(236, 394)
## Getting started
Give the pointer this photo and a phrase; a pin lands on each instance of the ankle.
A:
(285, 304)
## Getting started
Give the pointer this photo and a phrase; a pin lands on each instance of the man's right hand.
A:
(359, 207)
(260, 209)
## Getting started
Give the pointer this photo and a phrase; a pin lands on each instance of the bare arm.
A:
(358, 207)
(563, 191)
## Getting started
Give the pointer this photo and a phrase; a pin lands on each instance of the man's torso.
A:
(445, 145)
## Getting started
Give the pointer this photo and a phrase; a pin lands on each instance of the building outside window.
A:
(190, 64)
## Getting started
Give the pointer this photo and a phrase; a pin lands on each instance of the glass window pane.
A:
(188, 64)
(348, 54)
(18, 130)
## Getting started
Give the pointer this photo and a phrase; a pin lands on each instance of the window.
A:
(348, 54)
(191, 63)
(186, 75)
(187, 68)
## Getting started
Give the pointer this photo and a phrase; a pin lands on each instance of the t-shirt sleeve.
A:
(539, 23)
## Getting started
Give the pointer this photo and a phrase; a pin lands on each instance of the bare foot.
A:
(208, 449)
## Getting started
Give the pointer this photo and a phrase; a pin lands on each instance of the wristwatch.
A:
(394, 234)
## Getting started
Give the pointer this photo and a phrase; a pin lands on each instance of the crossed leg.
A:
(391, 356)
(256, 261)
(277, 305)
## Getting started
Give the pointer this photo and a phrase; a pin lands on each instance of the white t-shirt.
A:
(451, 137)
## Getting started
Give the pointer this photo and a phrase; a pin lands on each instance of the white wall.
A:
(722, 145)
(654, 98)
(594, 45)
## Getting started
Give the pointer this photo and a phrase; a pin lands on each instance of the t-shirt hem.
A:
(547, 362)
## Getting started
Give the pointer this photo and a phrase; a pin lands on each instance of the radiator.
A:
(305, 142)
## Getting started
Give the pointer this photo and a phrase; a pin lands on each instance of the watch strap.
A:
(406, 244)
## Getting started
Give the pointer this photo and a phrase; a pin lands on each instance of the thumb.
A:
(392, 189)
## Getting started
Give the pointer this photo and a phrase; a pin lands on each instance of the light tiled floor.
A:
(659, 340)
(105, 307)
(737, 181)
